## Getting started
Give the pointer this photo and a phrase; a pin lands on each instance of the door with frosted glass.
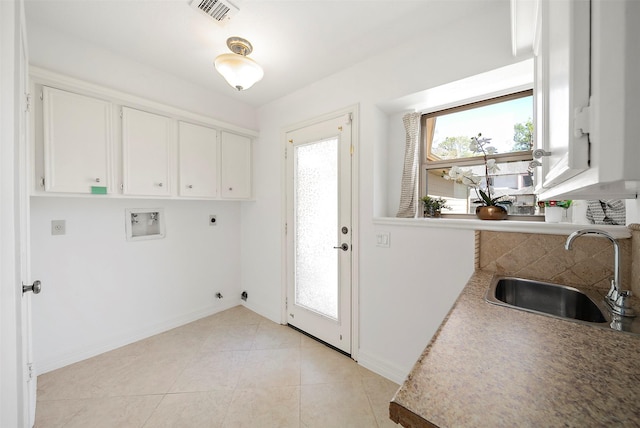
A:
(319, 231)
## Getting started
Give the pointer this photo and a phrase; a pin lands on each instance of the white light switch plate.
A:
(382, 240)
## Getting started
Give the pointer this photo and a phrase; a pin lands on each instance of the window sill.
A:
(618, 232)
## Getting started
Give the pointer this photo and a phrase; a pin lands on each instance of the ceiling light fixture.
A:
(240, 71)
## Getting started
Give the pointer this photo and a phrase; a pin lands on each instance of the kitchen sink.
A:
(545, 298)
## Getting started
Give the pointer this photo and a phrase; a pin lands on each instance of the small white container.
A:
(553, 214)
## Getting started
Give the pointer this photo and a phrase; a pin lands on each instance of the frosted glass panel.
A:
(316, 218)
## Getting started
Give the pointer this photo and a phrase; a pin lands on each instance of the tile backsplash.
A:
(543, 257)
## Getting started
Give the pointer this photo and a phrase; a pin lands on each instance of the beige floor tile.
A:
(335, 405)
(232, 369)
(235, 315)
(233, 337)
(380, 391)
(114, 412)
(211, 370)
(84, 379)
(193, 409)
(275, 336)
(149, 374)
(308, 342)
(179, 340)
(324, 365)
(265, 408)
(56, 413)
(270, 368)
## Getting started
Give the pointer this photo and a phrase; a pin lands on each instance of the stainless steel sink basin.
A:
(541, 297)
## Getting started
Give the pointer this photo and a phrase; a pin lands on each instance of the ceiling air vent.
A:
(220, 10)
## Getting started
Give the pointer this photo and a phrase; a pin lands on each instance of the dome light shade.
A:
(240, 71)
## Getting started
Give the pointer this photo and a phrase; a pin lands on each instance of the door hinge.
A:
(30, 372)
(42, 182)
(121, 113)
(582, 121)
(41, 95)
(285, 152)
(351, 150)
(286, 228)
(27, 97)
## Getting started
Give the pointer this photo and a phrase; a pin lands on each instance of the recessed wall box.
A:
(144, 223)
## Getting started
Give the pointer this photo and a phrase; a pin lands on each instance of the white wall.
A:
(77, 58)
(405, 290)
(101, 291)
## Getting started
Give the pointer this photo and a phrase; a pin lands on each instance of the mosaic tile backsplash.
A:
(543, 257)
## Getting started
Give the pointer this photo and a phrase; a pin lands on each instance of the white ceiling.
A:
(297, 42)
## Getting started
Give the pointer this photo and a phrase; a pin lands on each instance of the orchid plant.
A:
(481, 146)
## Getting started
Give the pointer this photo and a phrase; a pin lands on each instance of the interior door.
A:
(319, 236)
(23, 240)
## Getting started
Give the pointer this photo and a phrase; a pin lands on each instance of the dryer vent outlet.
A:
(244, 296)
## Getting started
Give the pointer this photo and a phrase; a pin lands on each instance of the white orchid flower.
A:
(492, 167)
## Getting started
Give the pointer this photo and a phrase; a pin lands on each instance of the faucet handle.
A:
(613, 293)
(622, 306)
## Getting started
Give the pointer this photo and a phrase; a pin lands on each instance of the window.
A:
(446, 137)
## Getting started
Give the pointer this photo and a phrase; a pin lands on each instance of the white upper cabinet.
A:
(77, 141)
(198, 161)
(146, 153)
(563, 88)
(235, 166)
(588, 95)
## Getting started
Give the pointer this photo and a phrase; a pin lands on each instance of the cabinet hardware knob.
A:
(539, 153)
(230, 188)
(190, 186)
(159, 184)
(36, 287)
(97, 180)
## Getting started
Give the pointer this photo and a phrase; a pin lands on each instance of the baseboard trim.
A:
(119, 341)
(382, 367)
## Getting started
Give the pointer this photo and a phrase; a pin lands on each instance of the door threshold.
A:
(319, 340)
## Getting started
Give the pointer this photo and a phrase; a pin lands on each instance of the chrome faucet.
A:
(616, 299)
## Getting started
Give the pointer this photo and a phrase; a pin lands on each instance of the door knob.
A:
(343, 247)
(36, 287)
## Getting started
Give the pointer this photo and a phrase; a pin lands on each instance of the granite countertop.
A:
(494, 366)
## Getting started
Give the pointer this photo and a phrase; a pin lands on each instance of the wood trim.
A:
(495, 100)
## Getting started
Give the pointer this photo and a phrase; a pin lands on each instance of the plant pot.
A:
(491, 213)
(431, 212)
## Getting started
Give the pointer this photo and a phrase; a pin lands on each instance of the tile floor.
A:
(232, 369)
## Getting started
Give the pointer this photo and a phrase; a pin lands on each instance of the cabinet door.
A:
(146, 153)
(235, 166)
(77, 137)
(565, 69)
(198, 161)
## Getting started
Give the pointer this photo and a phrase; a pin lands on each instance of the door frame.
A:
(354, 111)
(13, 411)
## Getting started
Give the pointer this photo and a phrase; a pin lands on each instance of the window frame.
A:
(426, 138)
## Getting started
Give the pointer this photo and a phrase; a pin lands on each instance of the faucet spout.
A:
(615, 297)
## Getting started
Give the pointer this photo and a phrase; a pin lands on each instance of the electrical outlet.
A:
(212, 220)
(382, 240)
(58, 227)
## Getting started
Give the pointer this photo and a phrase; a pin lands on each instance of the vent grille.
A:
(220, 10)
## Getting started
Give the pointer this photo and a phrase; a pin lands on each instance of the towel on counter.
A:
(606, 212)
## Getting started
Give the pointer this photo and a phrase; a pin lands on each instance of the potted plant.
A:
(491, 207)
(432, 207)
